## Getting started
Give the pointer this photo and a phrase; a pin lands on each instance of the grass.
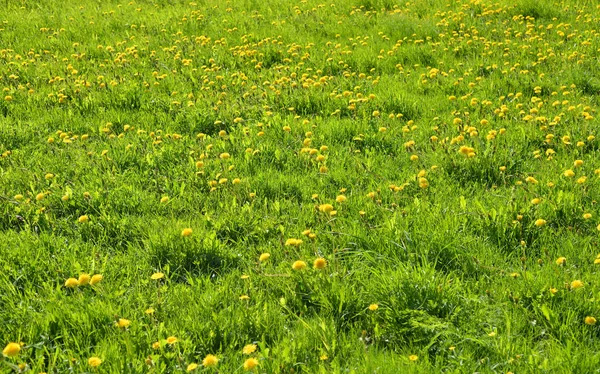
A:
(454, 141)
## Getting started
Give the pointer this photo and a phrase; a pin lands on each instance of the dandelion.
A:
(94, 361)
(83, 219)
(264, 257)
(340, 199)
(210, 361)
(84, 279)
(413, 357)
(244, 297)
(587, 215)
(156, 345)
(192, 367)
(40, 196)
(299, 265)
(577, 163)
(123, 323)
(71, 283)
(320, 263)
(164, 200)
(11, 349)
(531, 180)
(373, 307)
(326, 208)
(171, 340)
(157, 276)
(576, 284)
(186, 232)
(149, 311)
(96, 278)
(569, 173)
(224, 156)
(250, 364)
(249, 349)
(590, 320)
(540, 222)
(561, 261)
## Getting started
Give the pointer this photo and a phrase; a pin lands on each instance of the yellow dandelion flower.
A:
(192, 367)
(156, 345)
(186, 232)
(540, 222)
(123, 323)
(84, 279)
(11, 349)
(157, 276)
(577, 163)
(164, 200)
(340, 199)
(561, 261)
(96, 278)
(210, 360)
(320, 263)
(299, 265)
(83, 219)
(373, 307)
(576, 284)
(224, 156)
(40, 196)
(244, 297)
(250, 364)
(587, 215)
(413, 357)
(149, 311)
(172, 340)
(326, 208)
(249, 349)
(94, 361)
(71, 283)
(264, 257)
(569, 173)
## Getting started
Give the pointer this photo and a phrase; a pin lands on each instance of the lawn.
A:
(356, 186)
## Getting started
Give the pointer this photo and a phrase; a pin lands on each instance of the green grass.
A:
(369, 99)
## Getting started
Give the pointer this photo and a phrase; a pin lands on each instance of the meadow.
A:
(313, 186)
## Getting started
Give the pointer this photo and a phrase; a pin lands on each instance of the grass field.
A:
(282, 186)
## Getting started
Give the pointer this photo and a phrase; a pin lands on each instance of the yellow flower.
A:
(83, 219)
(123, 323)
(164, 200)
(299, 265)
(210, 360)
(224, 156)
(96, 278)
(94, 361)
(340, 199)
(264, 257)
(149, 311)
(250, 364)
(71, 283)
(84, 279)
(249, 349)
(587, 215)
(590, 320)
(320, 263)
(156, 345)
(244, 297)
(373, 307)
(325, 208)
(578, 163)
(413, 357)
(192, 367)
(576, 284)
(323, 358)
(293, 242)
(186, 232)
(569, 173)
(40, 196)
(540, 222)
(561, 261)
(553, 290)
(11, 349)
(171, 340)
(157, 276)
